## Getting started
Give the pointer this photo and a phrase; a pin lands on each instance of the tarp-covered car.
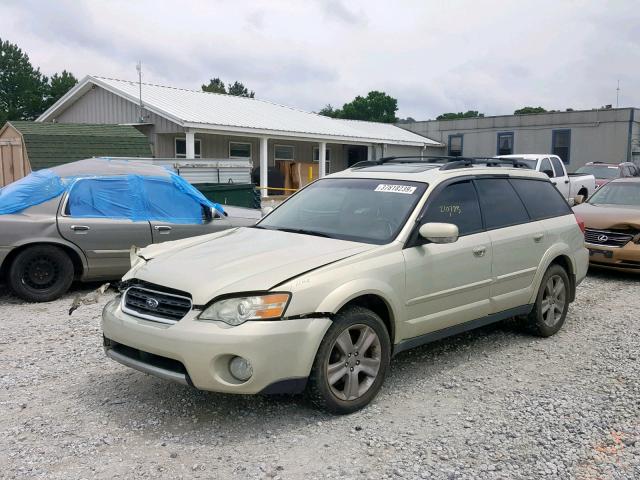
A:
(80, 220)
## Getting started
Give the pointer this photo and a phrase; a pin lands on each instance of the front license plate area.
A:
(594, 252)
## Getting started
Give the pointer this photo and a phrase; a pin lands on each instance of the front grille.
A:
(607, 237)
(155, 305)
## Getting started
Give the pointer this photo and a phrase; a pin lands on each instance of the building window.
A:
(505, 143)
(239, 150)
(284, 152)
(181, 148)
(316, 158)
(316, 154)
(455, 145)
(561, 144)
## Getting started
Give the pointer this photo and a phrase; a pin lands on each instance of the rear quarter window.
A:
(541, 198)
(501, 206)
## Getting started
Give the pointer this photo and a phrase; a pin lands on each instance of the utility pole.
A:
(139, 69)
(618, 94)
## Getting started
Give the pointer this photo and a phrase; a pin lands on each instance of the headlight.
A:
(236, 311)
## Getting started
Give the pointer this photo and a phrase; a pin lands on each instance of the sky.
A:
(433, 56)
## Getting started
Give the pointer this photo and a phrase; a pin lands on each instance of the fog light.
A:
(241, 368)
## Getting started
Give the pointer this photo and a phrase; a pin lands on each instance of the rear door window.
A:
(545, 167)
(541, 198)
(501, 206)
(557, 166)
(457, 204)
(100, 198)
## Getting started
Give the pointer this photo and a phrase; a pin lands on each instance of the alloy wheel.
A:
(354, 362)
(554, 300)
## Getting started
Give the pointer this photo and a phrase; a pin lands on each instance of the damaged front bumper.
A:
(621, 258)
(198, 353)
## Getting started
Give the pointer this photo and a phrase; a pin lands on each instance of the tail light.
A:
(580, 222)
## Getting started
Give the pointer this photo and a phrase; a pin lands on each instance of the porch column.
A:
(190, 140)
(370, 154)
(264, 166)
(322, 159)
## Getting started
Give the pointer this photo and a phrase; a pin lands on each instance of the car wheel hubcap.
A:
(553, 300)
(354, 362)
(40, 273)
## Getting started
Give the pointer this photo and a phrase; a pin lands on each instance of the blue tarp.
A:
(34, 189)
(134, 197)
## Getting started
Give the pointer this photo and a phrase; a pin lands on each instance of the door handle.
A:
(566, 181)
(555, 183)
(479, 251)
(163, 229)
(538, 237)
(80, 228)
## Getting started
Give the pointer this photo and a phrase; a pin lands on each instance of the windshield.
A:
(600, 171)
(356, 209)
(617, 193)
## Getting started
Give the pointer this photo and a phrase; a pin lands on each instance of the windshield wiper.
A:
(301, 231)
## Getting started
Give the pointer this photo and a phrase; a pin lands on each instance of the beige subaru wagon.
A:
(350, 271)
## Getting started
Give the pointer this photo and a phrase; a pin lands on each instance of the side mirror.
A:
(578, 199)
(548, 173)
(439, 232)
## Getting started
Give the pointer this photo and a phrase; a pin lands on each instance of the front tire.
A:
(41, 273)
(351, 363)
(552, 303)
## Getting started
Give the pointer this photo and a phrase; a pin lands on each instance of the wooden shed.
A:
(30, 146)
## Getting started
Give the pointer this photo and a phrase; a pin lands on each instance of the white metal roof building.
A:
(190, 124)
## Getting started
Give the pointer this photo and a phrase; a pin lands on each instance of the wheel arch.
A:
(556, 256)
(378, 305)
(77, 257)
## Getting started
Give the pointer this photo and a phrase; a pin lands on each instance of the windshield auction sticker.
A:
(406, 189)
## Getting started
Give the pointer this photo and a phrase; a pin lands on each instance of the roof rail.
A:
(450, 163)
(406, 159)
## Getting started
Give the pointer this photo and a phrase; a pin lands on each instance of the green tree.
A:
(456, 116)
(406, 120)
(239, 90)
(22, 87)
(375, 107)
(59, 84)
(215, 86)
(527, 110)
(329, 111)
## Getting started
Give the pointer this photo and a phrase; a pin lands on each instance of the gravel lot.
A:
(494, 403)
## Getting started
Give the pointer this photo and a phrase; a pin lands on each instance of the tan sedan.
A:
(612, 221)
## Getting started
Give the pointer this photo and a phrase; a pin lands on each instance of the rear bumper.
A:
(622, 258)
(198, 352)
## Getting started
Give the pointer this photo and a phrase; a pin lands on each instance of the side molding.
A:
(463, 327)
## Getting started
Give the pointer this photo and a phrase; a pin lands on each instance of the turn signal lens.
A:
(236, 311)
(580, 222)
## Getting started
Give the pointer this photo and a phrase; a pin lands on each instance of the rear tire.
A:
(41, 273)
(552, 303)
(351, 363)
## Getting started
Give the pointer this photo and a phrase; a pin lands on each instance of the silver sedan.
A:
(86, 231)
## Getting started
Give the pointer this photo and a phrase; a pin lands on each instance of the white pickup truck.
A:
(569, 184)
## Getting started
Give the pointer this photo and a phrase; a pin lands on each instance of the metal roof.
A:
(213, 111)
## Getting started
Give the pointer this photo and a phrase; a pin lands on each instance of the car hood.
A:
(238, 260)
(609, 216)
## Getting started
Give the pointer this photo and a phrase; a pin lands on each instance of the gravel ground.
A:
(494, 404)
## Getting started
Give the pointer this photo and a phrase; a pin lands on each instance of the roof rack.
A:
(405, 159)
(449, 162)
